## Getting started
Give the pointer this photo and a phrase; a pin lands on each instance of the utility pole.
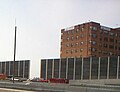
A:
(14, 51)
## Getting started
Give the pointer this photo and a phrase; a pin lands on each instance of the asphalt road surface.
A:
(16, 90)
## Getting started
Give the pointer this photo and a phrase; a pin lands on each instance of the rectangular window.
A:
(68, 38)
(105, 45)
(111, 34)
(76, 44)
(72, 38)
(94, 35)
(111, 40)
(94, 49)
(81, 43)
(72, 45)
(77, 37)
(94, 43)
(111, 46)
(106, 39)
(81, 35)
(81, 50)
(93, 28)
(66, 51)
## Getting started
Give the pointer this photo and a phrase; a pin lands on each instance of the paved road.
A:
(53, 87)
(12, 90)
(16, 90)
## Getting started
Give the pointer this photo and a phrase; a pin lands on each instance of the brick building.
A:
(90, 39)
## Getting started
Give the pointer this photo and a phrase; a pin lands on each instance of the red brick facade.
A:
(90, 39)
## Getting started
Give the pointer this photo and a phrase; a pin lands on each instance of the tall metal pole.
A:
(14, 53)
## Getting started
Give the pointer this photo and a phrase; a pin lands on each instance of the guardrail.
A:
(48, 87)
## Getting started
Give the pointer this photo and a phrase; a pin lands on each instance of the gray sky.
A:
(39, 23)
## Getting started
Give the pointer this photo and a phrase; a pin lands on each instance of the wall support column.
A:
(74, 69)
(67, 69)
(99, 69)
(90, 67)
(118, 67)
(46, 68)
(53, 68)
(108, 67)
(60, 68)
(82, 70)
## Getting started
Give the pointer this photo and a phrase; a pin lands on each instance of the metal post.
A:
(14, 53)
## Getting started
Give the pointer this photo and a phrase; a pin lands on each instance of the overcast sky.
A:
(39, 23)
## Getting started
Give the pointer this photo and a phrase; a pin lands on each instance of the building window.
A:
(115, 47)
(100, 45)
(68, 32)
(81, 50)
(90, 41)
(76, 44)
(116, 34)
(110, 53)
(71, 51)
(81, 35)
(106, 33)
(76, 51)
(94, 35)
(81, 43)
(105, 52)
(68, 38)
(105, 45)
(94, 49)
(67, 45)
(77, 37)
(111, 46)
(94, 42)
(72, 31)
(100, 39)
(93, 28)
(119, 48)
(100, 52)
(111, 40)
(72, 38)
(111, 34)
(66, 51)
(106, 39)
(77, 30)
(82, 29)
(116, 41)
(72, 44)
